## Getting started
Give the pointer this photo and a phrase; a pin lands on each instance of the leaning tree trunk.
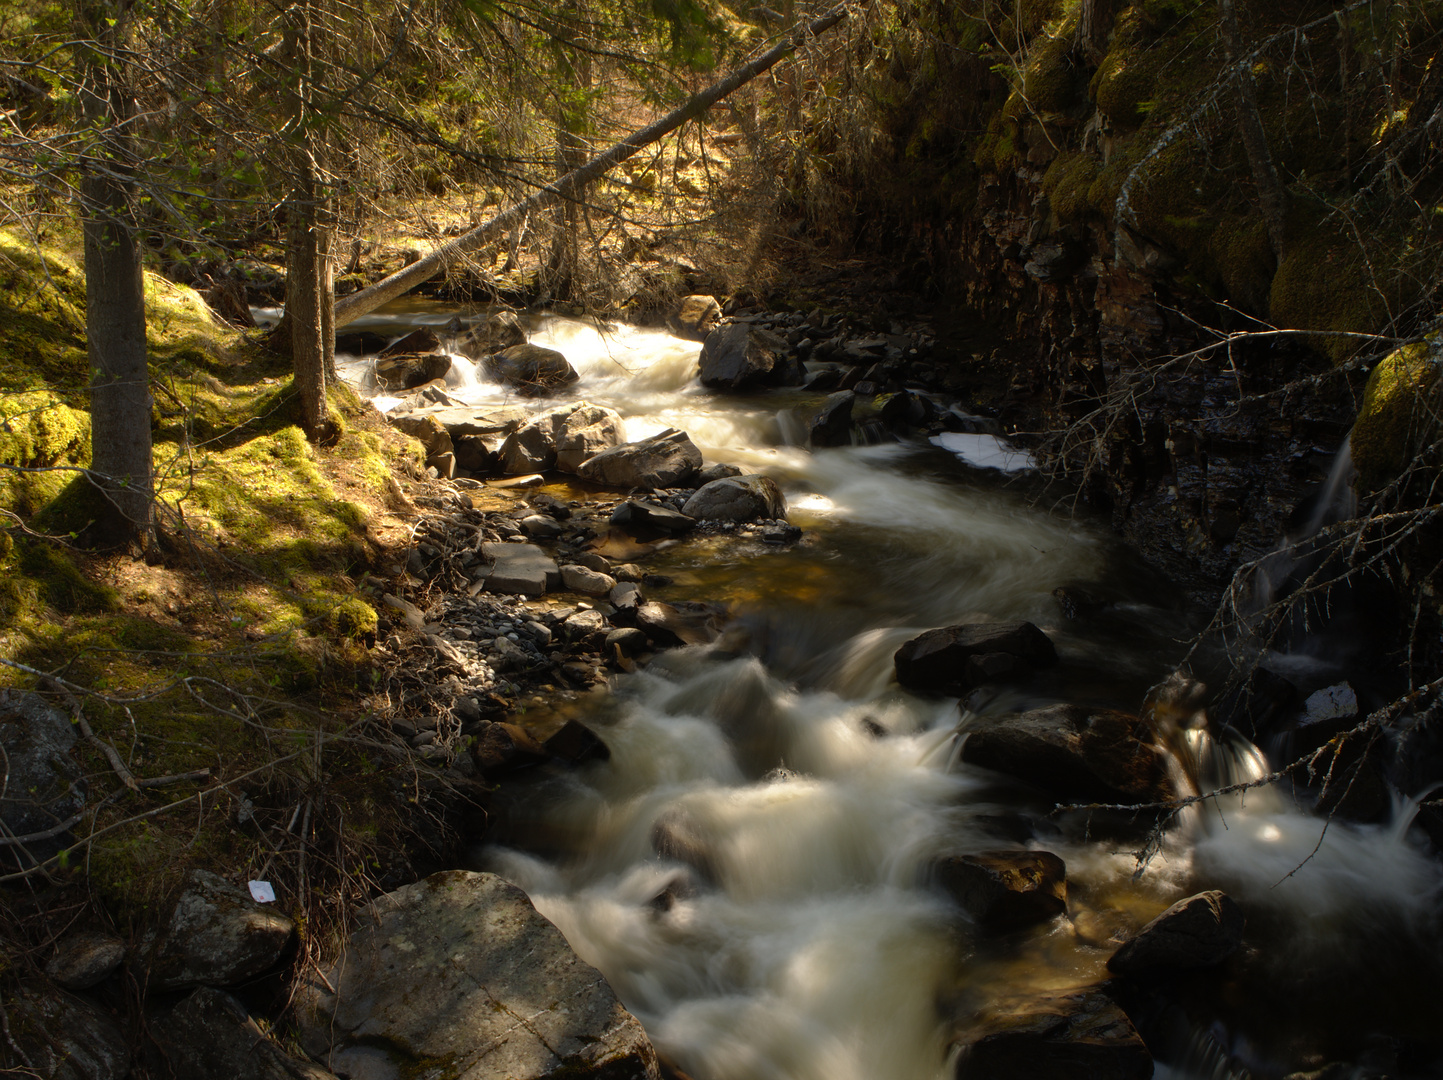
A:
(120, 403)
(573, 183)
(1271, 196)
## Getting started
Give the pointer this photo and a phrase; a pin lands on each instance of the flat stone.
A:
(529, 481)
(458, 976)
(211, 1036)
(638, 514)
(664, 460)
(540, 526)
(1199, 931)
(1006, 890)
(84, 960)
(520, 569)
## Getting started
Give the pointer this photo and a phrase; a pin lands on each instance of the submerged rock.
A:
(955, 659)
(458, 976)
(737, 498)
(1073, 752)
(1200, 931)
(1006, 890)
(1078, 1034)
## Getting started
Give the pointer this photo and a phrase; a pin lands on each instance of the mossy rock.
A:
(1068, 181)
(1243, 253)
(1053, 82)
(353, 619)
(1400, 410)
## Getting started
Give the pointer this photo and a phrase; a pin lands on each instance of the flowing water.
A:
(804, 795)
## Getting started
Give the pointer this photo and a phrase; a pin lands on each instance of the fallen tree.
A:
(569, 187)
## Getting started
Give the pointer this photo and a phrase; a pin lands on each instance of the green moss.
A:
(354, 618)
(1052, 82)
(1240, 249)
(1068, 182)
(998, 150)
(1398, 406)
(61, 585)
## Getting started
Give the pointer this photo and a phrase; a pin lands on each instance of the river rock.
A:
(1073, 752)
(425, 429)
(737, 498)
(1006, 890)
(64, 1037)
(907, 408)
(1078, 1034)
(43, 786)
(505, 747)
(955, 659)
(500, 331)
(639, 514)
(531, 369)
(832, 426)
(458, 976)
(740, 356)
(217, 936)
(587, 582)
(1200, 931)
(696, 317)
(682, 623)
(719, 471)
(84, 960)
(407, 371)
(421, 340)
(526, 450)
(575, 743)
(584, 432)
(519, 569)
(662, 461)
(211, 1036)
(677, 835)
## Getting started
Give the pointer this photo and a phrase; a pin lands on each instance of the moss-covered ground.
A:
(234, 646)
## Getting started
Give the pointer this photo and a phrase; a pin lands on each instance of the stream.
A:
(800, 937)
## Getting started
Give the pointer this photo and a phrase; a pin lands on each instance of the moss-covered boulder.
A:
(1400, 409)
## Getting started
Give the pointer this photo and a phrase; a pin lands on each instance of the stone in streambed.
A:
(639, 514)
(664, 460)
(575, 743)
(458, 975)
(951, 660)
(740, 356)
(504, 747)
(522, 569)
(1075, 753)
(832, 426)
(737, 498)
(531, 369)
(1006, 890)
(1077, 1034)
(408, 371)
(587, 582)
(696, 317)
(1200, 931)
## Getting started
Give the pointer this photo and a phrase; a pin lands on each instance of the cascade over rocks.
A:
(459, 975)
(501, 330)
(1074, 753)
(665, 460)
(955, 659)
(1199, 931)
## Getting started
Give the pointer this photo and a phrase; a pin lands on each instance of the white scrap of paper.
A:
(262, 892)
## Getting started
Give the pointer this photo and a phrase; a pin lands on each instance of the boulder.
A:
(63, 1037)
(531, 369)
(519, 569)
(432, 435)
(211, 1036)
(458, 976)
(1076, 753)
(737, 498)
(662, 461)
(1078, 1034)
(587, 582)
(217, 936)
(683, 623)
(950, 660)
(584, 432)
(907, 408)
(43, 787)
(832, 426)
(719, 471)
(84, 960)
(575, 743)
(696, 317)
(505, 747)
(540, 526)
(527, 450)
(1006, 890)
(639, 514)
(500, 331)
(1200, 931)
(406, 371)
(740, 356)
(418, 341)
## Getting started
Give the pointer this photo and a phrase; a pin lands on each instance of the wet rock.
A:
(662, 461)
(1073, 752)
(832, 426)
(540, 527)
(718, 471)
(211, 1036)
(531, 369)
(500, 331)
(84, 960)
(421, 340)
(1076, 602)
(677, 835)
(63, 1037)
(696, 317)
(576, 743)
(955, 659)
(519, 569)
(740, 356)
(625, 595)
(1006, 890)
(504, 748)
(737, 498)
(682, 623)
(458, 975)
(1076, 1034)
(592, 561)
(408, 371)
(585, 432)
(217, 936)
(781, 534)
(1200, 931)
(636, 514)
(587, 582)
(582, 624)
(1337, 702)
(907, 408)
(43, 787)
(826, 378)
(628, 640)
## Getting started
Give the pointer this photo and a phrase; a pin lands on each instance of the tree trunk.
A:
(1094, 26)
(1271, 196)
(573, 183)
(120, 401)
